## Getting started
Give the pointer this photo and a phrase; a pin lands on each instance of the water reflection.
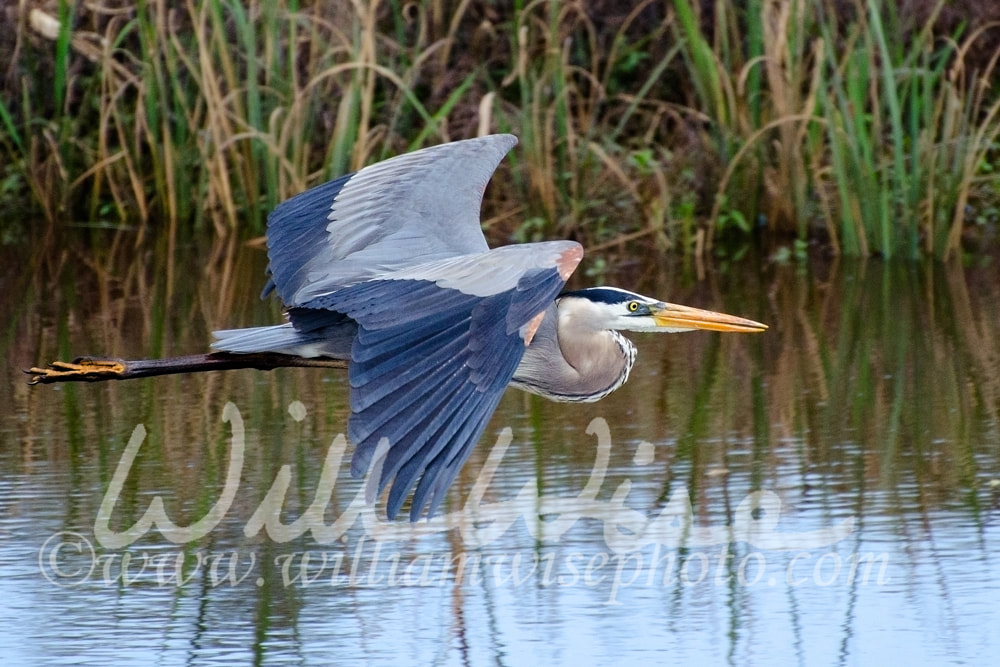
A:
(873, 402)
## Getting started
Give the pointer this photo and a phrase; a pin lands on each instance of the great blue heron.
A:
(386, 271)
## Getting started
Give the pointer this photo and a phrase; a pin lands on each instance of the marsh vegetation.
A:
(862, 126)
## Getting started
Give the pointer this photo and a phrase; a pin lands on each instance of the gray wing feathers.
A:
(487, 273)
(411, 209)
(428, 378)
(388, 267)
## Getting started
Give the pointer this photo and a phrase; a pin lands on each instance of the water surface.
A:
(825, 493)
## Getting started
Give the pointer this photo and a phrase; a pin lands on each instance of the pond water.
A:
(825, 493)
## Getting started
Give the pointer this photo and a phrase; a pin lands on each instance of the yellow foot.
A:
(83, 369)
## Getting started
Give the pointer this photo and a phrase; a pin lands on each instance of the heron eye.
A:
(633, 306)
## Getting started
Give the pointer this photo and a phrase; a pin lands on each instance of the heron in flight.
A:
(386, 271)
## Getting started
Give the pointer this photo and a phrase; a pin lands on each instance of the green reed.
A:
(875, 133)
(177, 119)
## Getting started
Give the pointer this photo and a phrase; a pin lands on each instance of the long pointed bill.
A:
(684, 318)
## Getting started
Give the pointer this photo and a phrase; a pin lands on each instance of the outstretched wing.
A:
(406, 211)
(437, 345)
(442, 320)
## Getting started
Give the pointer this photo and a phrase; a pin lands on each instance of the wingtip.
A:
(511, 139)
(502, 140)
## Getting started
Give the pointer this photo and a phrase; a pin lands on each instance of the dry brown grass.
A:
(173, 120)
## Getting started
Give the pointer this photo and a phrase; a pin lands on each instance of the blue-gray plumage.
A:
(388, 269)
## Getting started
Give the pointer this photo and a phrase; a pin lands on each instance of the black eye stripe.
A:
(611, 295)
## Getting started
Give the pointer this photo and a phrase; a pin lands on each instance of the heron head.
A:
(615, 308)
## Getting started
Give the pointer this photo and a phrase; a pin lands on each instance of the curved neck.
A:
(567, 362)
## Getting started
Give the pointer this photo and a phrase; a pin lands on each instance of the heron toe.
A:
(83, 368)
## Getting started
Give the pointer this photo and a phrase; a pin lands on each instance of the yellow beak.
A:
(670, 315)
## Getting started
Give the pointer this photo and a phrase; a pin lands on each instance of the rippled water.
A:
(824, 493)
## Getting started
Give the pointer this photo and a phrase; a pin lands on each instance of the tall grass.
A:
(906, 137)
(207, 114)
(828, 120)
(878, 131)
